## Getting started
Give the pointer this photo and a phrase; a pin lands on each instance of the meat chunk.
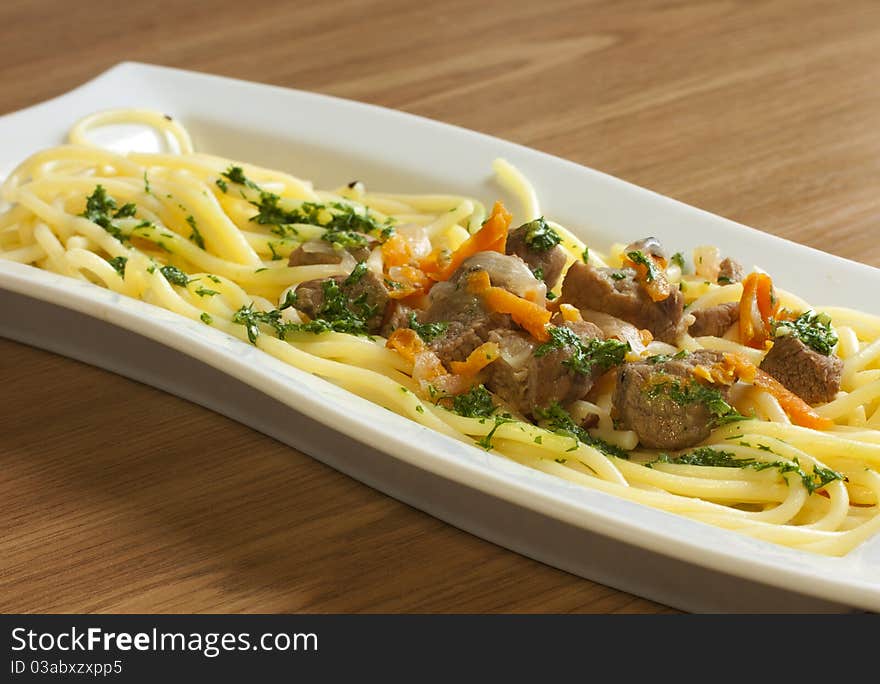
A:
(364, 294)
(322, 252)
(665, 404)
(814, 377)
(617, 292)
(714, 320)
(532, 243)
(469, 322)
(730, 271)
(396, 316)
(528, 382)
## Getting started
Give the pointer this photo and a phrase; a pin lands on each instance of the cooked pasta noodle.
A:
(178, 230)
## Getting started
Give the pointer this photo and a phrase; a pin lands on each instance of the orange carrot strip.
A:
(570, 314)
(528, 315)
(491, 237)
(406, 342)
(800, 412)
(658, 287)
(757, 306)
(477, 360)
(396, 251)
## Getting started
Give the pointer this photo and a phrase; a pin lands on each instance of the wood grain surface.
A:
(117, 497)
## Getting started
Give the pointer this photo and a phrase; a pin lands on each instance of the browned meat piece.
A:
(469, 323)
(528, 382)
(616, 292)
(366, 296)
(396, 316)
(544, 258)
(714, 320)
(321, 252)
(730, 271)
(814, 377)
(664, 403)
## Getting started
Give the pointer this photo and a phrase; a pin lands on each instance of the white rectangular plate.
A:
(652, 553)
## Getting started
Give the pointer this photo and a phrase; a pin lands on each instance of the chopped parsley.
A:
(707, 456)
(337, 312)
(638, 257)
(345, 223)
(195, 236)
(346, 239)
(538, 273)
(663, 358)
(206, 318)
(693, 392)
(604, 354)
(539, 236)
(101, 209)
(475, 403)
(235, 174)
(427, 331)
(586, 255)
(813, 329)
(251, 320)
(500, 419)
(175, 276)
(678, 260)
(205, 292)
(275, 255)
(559, 421)
(618, 275)
(118, 263)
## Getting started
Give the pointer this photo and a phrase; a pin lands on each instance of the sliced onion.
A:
(619, 329)
(417, 240)
(707, 262)
(509, 272)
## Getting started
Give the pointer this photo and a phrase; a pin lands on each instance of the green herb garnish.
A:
(475, 403)
(540, 236)
(603, 354)
(118, 263)
(693, 392)
(559, 421)
(427, 331)
(195, 236)
(175, 276)
(100, 210)
(638, 257)
(813, 329)
(709, 457)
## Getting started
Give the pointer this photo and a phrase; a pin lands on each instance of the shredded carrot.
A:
(396, 251)
(570, 314)
(657, 286)
(757, 306)
(492, 236)
(530, 316)
(477, 360)
(800, 412)
(406, 342)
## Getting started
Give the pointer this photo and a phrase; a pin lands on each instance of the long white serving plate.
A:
(658, 555)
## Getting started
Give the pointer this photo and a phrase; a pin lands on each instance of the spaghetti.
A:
(212, 239)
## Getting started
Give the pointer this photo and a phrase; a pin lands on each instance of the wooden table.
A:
(117, 497)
